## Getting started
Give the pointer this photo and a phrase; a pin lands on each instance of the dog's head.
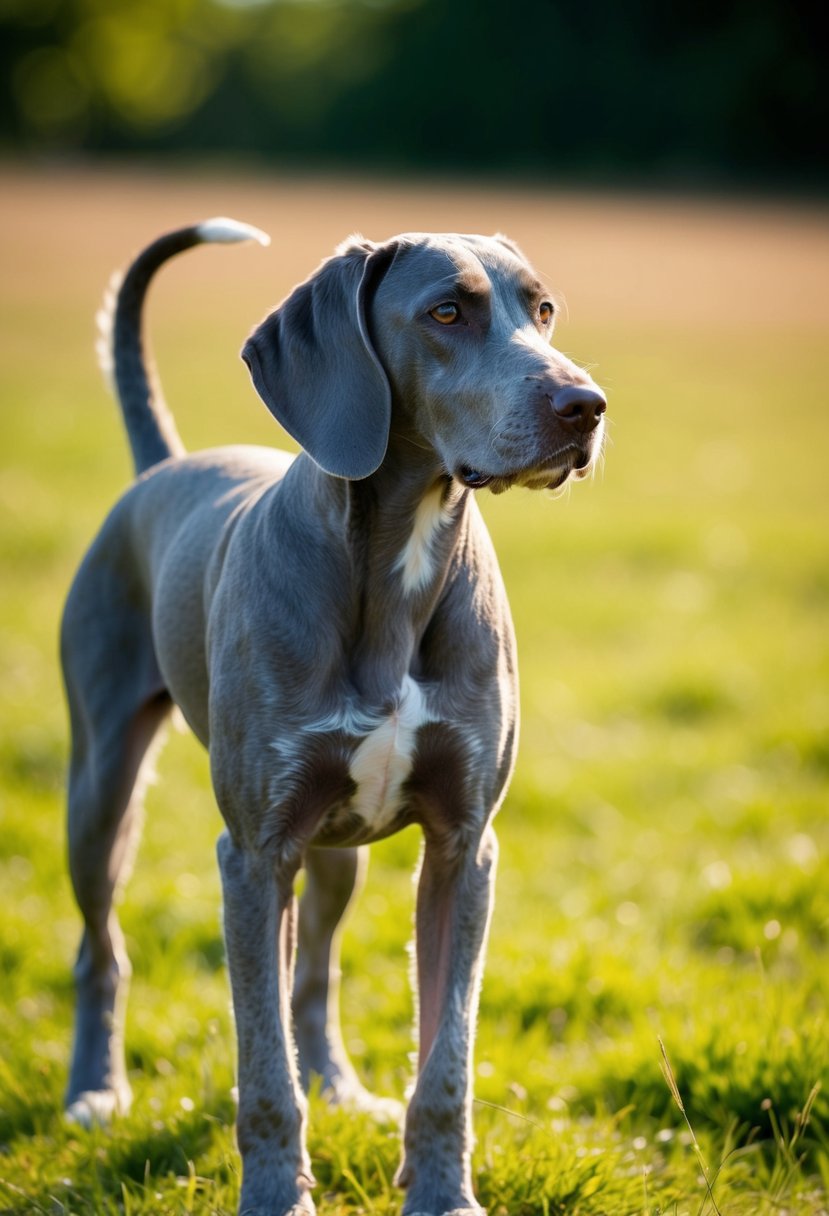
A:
(445, 338)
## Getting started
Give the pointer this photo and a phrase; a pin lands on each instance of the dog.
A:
(335, 630)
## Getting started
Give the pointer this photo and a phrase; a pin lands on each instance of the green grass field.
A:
(665, 846)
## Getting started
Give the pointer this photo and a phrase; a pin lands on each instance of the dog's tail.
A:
(122, 352)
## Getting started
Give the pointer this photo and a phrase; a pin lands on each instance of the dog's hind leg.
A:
(332, 877)
(117, 704)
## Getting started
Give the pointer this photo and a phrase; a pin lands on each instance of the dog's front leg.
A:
(454, 901)
(259, 922)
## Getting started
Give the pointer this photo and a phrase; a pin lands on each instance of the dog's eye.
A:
(546, 312)
(447, 313)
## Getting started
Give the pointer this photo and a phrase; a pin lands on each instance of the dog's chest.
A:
(382, 761)
(353, 777)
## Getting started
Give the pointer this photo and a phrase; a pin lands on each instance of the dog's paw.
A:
(355, 1097)
(454, 1212)
(304, 1206)
(97, 1107)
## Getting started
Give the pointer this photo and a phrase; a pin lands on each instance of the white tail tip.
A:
(224, 231)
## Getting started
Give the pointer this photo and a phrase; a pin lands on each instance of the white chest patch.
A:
(383, 760)
(416, 561)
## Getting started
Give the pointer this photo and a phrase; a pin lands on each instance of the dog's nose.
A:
(579, 407)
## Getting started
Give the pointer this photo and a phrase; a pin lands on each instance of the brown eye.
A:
(545, 312)
(447, 313)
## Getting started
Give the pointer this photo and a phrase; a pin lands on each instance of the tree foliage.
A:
(698, 87)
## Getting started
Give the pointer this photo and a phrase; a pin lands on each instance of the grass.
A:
(664, 878)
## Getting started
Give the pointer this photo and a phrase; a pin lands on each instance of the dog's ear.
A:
(313, 363)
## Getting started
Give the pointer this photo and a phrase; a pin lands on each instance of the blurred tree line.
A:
(712, 89)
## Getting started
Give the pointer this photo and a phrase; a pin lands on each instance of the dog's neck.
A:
(402, 526)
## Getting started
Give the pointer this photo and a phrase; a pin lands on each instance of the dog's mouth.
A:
(550, 475)
(474, 479)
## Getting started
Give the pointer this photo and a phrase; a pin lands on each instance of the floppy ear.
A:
(313, 364)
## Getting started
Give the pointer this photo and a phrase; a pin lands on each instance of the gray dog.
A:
(335, 630)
